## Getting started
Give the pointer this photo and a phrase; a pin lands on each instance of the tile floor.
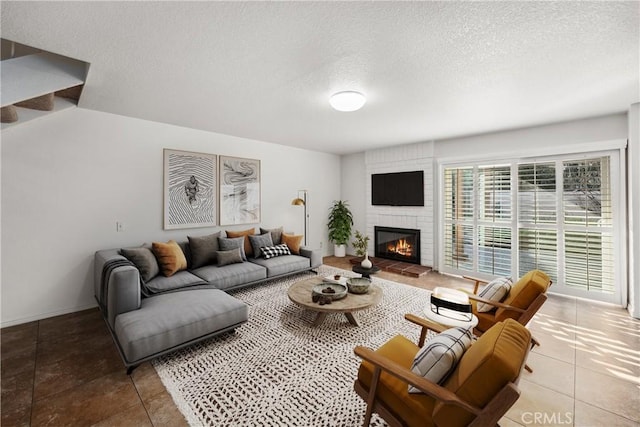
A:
(66, 371)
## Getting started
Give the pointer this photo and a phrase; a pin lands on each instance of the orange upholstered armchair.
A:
(478, 392)
(521, 303)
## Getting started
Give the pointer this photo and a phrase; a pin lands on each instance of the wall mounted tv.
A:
(398, 189)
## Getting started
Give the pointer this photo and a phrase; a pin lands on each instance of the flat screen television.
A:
(398, 189)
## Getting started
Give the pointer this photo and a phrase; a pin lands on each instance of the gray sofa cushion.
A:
(260, 241)
(229, 257)
(203, 249)
(231, 275)
(166, 321)
(179, 280)
(283, 264)
(144, 260)
(276, 234)
(226, 244)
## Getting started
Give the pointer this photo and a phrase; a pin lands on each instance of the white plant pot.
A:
(339, 250)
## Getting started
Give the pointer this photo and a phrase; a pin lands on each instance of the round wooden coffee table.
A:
(300, 294)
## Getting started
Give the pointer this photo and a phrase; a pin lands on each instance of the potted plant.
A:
(361, 243)
(340, 223)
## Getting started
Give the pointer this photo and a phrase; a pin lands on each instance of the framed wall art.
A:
(239, 191)
(190, 189)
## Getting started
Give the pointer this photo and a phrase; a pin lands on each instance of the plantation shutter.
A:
(458, 230)
(537, 216)
(494, 220)
(588, 233)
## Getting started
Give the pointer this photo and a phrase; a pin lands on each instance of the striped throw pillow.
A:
(496, 290)
(439, 356)
(274, 251)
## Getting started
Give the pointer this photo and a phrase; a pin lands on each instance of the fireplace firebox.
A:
(400, 244)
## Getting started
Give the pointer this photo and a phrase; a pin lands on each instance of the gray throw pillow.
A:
(144, 260)
(260, 241)
(232, 256)
(203, 249)
(226, 244)
(276, 234)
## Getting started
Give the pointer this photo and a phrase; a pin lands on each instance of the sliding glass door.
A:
(556, 214)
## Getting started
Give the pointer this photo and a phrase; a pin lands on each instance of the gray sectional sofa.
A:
(150, 314)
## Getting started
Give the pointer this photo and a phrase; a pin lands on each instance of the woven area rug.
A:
(279, 370)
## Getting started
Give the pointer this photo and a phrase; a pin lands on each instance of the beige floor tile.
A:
(611, 357)
(606, 392)
(506, 422)
(559, 345)
(541, 404)
(550, 373)
(591, 416)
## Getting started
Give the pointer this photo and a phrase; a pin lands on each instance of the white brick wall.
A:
(403, 159)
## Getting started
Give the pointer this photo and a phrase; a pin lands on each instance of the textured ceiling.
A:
(265, 70)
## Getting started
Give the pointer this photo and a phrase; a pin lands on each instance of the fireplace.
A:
(400, 244)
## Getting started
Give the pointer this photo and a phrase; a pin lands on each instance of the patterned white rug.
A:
(279, 370)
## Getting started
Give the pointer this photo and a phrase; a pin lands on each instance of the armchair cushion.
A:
(523, 292)
(496, 290)
(494, 360)
(439, 356)
(414, 409)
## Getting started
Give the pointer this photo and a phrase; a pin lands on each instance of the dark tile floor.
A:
(66, 370)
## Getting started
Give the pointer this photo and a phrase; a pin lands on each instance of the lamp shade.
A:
(298, 202)
(347, 101)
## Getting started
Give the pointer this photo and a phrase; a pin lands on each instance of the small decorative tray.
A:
(334, 290)
(342, 280)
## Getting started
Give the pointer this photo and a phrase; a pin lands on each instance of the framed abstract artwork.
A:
(239, 191)
(190, 189)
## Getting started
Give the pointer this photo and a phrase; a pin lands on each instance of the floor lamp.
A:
(302, 201)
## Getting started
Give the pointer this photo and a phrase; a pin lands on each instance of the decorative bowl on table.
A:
(335, 291)
(358, 285)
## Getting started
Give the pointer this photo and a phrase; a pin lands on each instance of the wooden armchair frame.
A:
(487, 416)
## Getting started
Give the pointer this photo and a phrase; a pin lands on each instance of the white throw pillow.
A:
(440, 355)
(496, 290)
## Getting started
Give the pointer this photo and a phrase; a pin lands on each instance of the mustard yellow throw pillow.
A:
(293, 242)
(248, 249)
(170, 257)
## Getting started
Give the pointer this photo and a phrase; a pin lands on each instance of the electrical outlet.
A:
(119, 226)
(320, 245)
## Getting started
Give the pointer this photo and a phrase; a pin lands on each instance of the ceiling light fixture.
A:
(347, 101)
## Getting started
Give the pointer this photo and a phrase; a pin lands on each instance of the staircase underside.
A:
(39, 83)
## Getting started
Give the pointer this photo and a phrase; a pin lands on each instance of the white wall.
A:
(354, 182)
(68, 177)
(633, 212)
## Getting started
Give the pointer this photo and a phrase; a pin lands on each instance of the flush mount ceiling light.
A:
(347, 101)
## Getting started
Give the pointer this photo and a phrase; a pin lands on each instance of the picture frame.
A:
(190, 189)
(239, 190)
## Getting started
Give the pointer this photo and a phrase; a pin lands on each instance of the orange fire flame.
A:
(401, 247)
